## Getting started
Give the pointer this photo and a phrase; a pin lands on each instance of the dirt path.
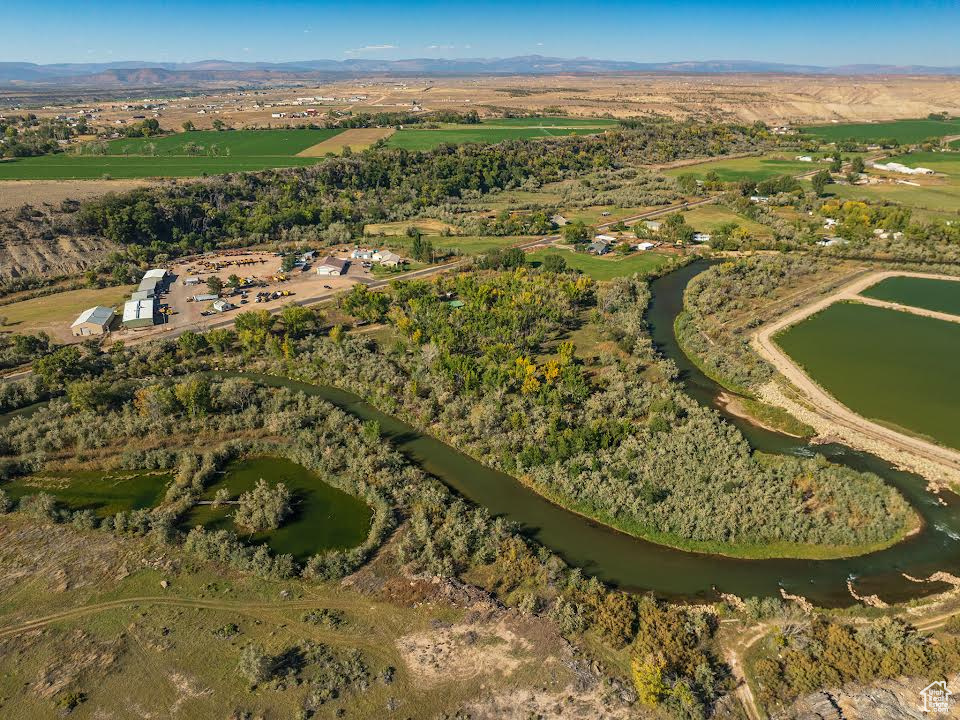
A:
(828, 407)
(251, 608)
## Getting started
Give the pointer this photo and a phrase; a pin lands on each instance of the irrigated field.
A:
(939, 295)
(749, 168)
(903, 131)
(606, 268)
(356, 139)
(892, 367)
(181, 155)
(552, 122)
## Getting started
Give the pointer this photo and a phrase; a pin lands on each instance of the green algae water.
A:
(324, 518)
(893, 367)
(928, 293)
(104, 492)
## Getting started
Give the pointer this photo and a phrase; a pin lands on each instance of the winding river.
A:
(637, 565)
(634, 564)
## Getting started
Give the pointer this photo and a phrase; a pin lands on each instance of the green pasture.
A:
(422, 139)
(748, 168)
(903, 131)
(609, 266)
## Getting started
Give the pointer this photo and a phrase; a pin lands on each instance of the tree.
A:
(288, 262)
(191, 343)
(263, 508)
(576, 232)
(233, 281)
(297, 320)
(856, 165)
(194, 395)
(219, 124)
(255, 665)
(837, 164)
(676, 229)
(214, 284)
(555, 263)
(820, 182)
(188, 126)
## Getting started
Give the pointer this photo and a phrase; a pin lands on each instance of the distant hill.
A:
(133, 73)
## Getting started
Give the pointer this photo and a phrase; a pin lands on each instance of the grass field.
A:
(749, 168)
(606, 268)
(904, 131)
(470, 244)
(420, 139)
(171, 156)
(42, 312)
(889, 366)
(708, 218)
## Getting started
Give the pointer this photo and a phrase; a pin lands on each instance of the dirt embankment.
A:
(832, 419)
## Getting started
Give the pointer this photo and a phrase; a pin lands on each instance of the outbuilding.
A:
(332, 266)
(139, 313)
(93, 321)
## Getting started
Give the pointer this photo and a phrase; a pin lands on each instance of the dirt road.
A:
(823, 403)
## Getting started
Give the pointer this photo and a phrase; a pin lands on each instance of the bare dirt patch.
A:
(14, 193)
(356, 139)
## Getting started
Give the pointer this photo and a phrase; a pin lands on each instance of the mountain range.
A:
(134, 73)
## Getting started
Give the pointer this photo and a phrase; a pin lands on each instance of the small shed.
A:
(93, 321)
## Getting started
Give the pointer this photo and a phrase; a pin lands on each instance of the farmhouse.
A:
(332, 266)
(599, 247)
(139, 313)
(385, 257)
(363, 254)
(93, 321)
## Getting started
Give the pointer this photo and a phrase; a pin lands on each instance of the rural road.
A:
(827, 406)
(379, 284)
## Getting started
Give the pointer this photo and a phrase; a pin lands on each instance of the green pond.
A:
(103, 491)
(324, 518)
(892, 367)
(928, 293)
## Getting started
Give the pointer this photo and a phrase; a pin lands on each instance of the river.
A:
(636, 565)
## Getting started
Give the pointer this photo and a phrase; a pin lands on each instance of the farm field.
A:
(903, 131)
(606, 268)
(748, 168)
(552, 122)
(105, 493)
(708, 218)
(937, 193)
(594, 215)
(928, 293)
(891, 367)
(420, 139)
(425, 225)
(356, 139)
(44, 312)
(181, 155)
(323, 516)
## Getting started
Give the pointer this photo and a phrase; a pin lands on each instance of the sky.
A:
(810, 32)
